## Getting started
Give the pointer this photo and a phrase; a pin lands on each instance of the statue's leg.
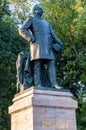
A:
(52, 71)
(44, 74)
(37, 71)
(52, 74)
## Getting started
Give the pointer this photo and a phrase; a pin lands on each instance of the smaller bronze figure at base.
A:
(42, 40)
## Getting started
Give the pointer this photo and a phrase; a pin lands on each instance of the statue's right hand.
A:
(32, 40)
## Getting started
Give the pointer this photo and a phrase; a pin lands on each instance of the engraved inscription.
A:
(59, 125)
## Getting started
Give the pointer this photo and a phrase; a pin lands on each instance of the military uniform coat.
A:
(41, 31)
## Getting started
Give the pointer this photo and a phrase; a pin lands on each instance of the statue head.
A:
(37, 10)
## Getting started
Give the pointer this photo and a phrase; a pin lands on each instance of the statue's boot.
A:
(57, 86)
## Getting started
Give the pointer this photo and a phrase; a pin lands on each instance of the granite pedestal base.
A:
(35, 109)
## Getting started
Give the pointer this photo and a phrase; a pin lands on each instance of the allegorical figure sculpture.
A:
(42, 40)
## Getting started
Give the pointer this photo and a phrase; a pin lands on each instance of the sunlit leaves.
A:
(16, 1)
(68, 18)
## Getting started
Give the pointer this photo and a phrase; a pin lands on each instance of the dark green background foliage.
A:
(10, 45)
(68, 19)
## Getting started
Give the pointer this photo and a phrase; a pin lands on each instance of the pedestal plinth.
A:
(36, 109)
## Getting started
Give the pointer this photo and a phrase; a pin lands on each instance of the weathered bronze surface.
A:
(42, 43)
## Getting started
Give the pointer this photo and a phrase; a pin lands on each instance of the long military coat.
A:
(44, 36)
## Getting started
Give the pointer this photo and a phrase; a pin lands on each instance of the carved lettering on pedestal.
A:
(59, 125)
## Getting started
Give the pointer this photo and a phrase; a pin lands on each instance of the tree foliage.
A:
(69, 22)
(10, 45)
(21, 10)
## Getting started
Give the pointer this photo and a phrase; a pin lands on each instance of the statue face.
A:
(37, 10)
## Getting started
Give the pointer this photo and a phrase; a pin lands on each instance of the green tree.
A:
(21, 10)
(10, 45)
(69, 22)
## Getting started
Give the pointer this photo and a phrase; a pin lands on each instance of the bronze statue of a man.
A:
(41, 37)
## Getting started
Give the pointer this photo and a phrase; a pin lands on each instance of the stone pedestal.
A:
(36, 109)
